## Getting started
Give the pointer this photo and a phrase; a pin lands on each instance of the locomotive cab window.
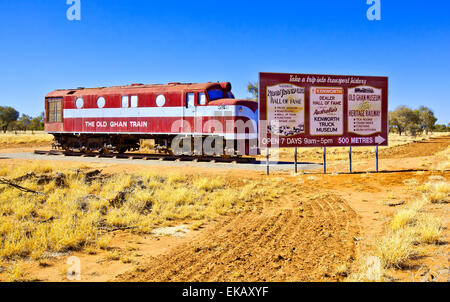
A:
(215, 94)
(54, 110)
(202, 98)
(190, 100)
(125, 101)
(134, 101)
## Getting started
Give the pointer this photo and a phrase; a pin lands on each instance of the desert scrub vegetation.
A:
(368, 269)
(395, 248)
(25, 138)
(436, 191)
(409, 229)
(428, 229)
(76, 209)
(16, 273)
(443, 163)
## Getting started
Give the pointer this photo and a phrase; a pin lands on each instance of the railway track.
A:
(160, 157)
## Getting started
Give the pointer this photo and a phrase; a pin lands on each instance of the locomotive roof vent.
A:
(178, 83)
(71, 92)
(137, 84)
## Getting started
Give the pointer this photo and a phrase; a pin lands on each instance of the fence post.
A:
(350, 159)
(295, 160)
(376, 158)
(324, 160)
(267, 161)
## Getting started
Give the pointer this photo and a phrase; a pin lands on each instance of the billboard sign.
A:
(307, 110)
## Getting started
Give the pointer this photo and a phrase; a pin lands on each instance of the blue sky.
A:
(144, 41)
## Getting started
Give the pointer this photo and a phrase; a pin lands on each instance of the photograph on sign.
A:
(286, 106)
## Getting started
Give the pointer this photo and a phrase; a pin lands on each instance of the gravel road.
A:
(256, 166)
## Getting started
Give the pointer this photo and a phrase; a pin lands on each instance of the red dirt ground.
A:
(323, 222)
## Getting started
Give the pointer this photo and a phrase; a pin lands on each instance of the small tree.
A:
(37, 123)
(394, 122)
(427, 119)
(253, 89)
(24, 122)
(414, 125)
(13, 126)
(442, 128)
(405, 119)
(7, 116)
(400, 117)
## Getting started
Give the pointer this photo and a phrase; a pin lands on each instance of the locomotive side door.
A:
(189, 113)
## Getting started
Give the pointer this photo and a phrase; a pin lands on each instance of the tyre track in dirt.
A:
(297, 239)
(328, 220)
(220, 243)
(344, 216)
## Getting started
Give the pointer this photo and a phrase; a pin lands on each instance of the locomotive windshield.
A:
(216, 94)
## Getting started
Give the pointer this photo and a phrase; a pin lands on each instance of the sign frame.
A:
(368, 107)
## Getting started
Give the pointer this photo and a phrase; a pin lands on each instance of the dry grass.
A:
(25, 138)
(403, 218)
(437, 192)
(113, 255)
(16, 273)
(428, 229)
(147, 145)
(79, 213)
(368, 269)
(395, 248)
(342, 270)
(409, 228)
(443, 163)
(104, 242)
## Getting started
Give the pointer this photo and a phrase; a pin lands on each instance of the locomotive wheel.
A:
(123, 150)
(170, 152)
(105, 151)
(86, 150)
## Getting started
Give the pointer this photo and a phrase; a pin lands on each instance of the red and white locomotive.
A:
(194, 118)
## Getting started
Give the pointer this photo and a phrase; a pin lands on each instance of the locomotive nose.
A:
(246, 103)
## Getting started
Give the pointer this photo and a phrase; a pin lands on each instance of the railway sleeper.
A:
(163, 144)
